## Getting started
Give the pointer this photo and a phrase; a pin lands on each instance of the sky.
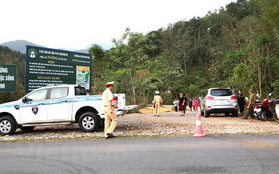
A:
(77, 24)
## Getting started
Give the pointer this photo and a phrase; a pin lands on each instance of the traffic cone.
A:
(199, 132)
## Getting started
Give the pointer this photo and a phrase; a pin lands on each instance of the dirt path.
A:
(170, 123)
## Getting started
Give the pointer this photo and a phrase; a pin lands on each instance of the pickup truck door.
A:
(34, 109)
(59, 106)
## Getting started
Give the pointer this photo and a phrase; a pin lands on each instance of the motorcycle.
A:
(257, 108)
(266, 109)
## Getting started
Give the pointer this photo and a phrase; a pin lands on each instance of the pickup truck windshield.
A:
(80, 91)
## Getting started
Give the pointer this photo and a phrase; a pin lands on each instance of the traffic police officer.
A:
(157, 102)
(251, 102)
(110, 113)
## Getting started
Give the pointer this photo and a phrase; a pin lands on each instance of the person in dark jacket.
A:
(190, 104)
(182, 104)
(241, 101)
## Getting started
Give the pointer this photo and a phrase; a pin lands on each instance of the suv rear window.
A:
(80, 91)
(221, 92)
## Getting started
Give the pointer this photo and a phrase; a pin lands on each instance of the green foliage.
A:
(241, 9)
(193, 90)
(240, 73)
(231, 60)
(269, 21)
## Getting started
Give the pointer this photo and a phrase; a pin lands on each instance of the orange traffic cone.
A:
(199, 132)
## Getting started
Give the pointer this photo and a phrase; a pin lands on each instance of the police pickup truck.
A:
(53, 105)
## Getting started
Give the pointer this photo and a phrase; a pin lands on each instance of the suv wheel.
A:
(206, 113)
(202, 113)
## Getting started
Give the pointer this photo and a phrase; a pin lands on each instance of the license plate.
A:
(257, 110)
(221, 101)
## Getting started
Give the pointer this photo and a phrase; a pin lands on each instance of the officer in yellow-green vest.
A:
(110, 113)
(157, 103)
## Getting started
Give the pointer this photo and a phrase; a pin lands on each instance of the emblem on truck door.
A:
(35, 110)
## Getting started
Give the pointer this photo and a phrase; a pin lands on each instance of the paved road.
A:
(212, 154)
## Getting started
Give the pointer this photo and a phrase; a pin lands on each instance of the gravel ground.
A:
(144, 125)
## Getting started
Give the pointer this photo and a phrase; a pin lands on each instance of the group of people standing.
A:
(181, 104)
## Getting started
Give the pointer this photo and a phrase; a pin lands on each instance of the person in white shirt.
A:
(175, 103)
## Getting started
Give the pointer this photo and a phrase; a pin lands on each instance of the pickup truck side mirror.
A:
(25, 99)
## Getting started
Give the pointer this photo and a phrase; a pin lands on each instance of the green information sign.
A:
(7, 78)
(46, 66)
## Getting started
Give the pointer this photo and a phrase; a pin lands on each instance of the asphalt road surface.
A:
(211, 154)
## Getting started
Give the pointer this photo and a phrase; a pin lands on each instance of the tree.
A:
(98, 55)
(129, 58)
(269, 19)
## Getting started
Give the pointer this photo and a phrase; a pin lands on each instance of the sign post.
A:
(7, 78)
(46, 66)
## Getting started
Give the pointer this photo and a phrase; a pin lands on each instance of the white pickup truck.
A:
(64, 104)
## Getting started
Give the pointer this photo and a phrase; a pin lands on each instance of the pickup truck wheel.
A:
(27, 129)
(7, 125)
(88, 122)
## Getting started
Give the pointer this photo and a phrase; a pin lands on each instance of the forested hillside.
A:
(236, 46)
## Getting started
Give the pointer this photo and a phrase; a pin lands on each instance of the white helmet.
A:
(157, 92)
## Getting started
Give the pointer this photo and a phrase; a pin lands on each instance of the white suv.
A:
(219, 100)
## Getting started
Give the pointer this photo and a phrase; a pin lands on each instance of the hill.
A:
(18, 45)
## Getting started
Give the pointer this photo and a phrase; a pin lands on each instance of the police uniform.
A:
(253, 100)
(157, 103)
(110, 113)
